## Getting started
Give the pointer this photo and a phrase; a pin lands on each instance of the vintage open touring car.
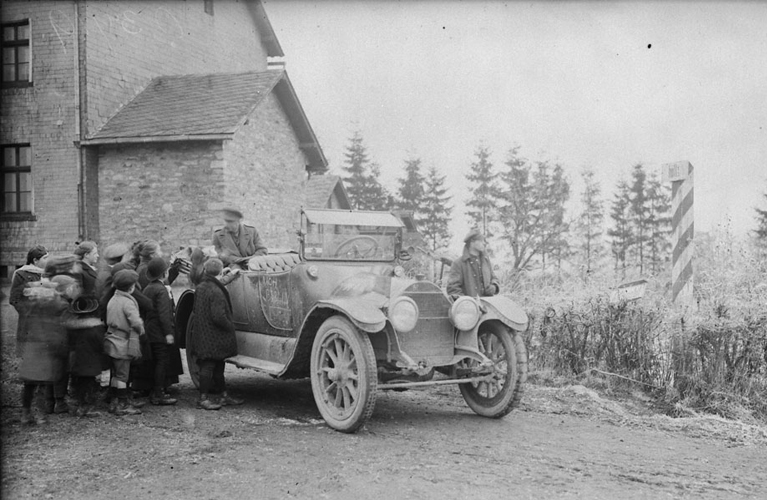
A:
(342, 312)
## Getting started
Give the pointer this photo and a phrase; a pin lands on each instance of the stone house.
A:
(326, 191)
(132, 119)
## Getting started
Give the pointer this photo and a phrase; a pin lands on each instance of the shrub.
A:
(712, 358)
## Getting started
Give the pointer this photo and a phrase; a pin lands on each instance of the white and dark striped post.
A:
(680, 174)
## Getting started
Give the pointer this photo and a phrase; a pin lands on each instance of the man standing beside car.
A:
(472, 274)
(236, 241)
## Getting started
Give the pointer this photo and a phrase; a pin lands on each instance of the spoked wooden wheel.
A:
(500, 394)
(343, 373)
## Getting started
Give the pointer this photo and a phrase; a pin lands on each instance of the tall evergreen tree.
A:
(659, 222)
(375, 195)
(639, 216)
(532, 209)
(435, 212)
(552, 192)
(621, 234)
(362, 184)
(356, 164)
(484, 191)
(411, 187)
(591, 220)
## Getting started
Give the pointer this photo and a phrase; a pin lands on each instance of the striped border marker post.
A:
(682, 230)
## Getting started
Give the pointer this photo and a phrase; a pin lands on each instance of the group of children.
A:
(103, 328)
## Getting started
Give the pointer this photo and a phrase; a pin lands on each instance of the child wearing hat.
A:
(121, 344)
(159, 328)
(86, 333)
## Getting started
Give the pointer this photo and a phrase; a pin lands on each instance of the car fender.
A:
(365, 311)
(506, 311)
(184, 306)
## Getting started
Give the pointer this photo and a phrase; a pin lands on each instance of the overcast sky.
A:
(604, 85)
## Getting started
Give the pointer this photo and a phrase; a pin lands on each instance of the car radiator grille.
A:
(432, 340)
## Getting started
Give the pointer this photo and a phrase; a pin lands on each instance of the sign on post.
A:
(680, 174)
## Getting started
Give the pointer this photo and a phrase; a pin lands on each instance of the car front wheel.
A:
(343, 373)
(502, 392)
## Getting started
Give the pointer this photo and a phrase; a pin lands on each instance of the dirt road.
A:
(421, 444)
(426, 444)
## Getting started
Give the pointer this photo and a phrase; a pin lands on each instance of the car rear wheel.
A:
(191, 359)
(343, 373)
(501, 394)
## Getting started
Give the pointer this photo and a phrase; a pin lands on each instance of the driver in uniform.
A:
(472, 274)
(236, 241)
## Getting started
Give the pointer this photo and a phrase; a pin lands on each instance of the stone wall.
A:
(152, 192)
(266, 174)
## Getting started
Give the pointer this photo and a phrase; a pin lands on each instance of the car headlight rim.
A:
(403, 314)
(465, 313)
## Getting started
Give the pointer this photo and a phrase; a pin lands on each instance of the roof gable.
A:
(206, 107)
(319, 188)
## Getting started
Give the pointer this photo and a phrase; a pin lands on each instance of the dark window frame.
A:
(16, 169)
(15, 44)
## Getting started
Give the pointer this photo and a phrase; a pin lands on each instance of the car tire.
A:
(343, 374)
(191, 359)
(507, 349)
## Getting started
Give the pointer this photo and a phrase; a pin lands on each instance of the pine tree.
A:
(517, 213)
(532, 209)
(362, 184)
(355, 165)
(435, 211)
(621, 234)
(411, 187)
(591, 220)
(484, 191)
(374, 195)
(659, 222)
(639, 219)
(552, 191)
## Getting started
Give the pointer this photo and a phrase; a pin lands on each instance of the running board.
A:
(261, 365)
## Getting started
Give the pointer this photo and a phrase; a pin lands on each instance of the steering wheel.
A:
(348, 245)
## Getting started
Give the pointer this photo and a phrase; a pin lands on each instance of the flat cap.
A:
(115, 251)
(473, 235)
(232, 212)
(156, 268)
(124, 279)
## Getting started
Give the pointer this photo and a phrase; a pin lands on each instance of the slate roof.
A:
(320, 187)
(206, 107)
(191, 105)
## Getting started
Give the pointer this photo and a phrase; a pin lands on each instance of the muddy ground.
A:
(563, 442)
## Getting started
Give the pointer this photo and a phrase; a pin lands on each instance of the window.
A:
(16, 54)
(17, 179)
(209, 7)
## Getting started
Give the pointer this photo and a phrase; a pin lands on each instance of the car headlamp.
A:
(464, 313)
(403, 314)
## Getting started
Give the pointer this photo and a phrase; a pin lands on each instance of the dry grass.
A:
(712, 360)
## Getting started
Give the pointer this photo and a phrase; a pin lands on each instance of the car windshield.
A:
(349, 242)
